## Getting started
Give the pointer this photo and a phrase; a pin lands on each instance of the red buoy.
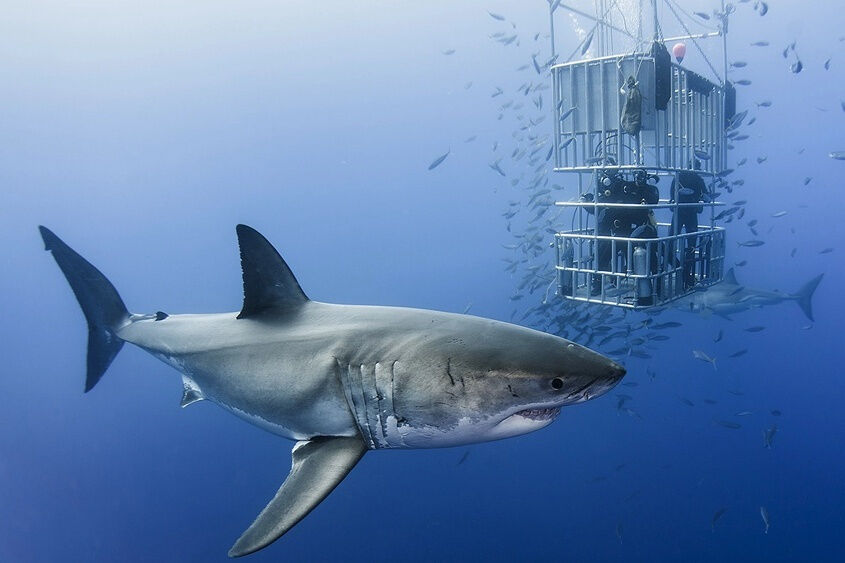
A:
(679, 50)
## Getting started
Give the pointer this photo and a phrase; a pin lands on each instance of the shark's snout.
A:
(613, 373)
(617, 371)
(598, 378)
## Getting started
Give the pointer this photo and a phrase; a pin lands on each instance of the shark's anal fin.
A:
(319, 465)
(269, 285)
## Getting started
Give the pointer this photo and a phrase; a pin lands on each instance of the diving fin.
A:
(318, 466)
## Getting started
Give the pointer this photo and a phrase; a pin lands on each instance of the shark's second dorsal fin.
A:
(730, 277)
(269, 285)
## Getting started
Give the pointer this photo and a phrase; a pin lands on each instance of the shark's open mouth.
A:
(540, 414)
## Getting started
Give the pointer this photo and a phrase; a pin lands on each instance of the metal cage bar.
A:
(692, 125)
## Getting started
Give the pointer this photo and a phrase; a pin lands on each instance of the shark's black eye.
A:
(557, 383)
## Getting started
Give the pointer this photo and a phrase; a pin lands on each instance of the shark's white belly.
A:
(255, 377)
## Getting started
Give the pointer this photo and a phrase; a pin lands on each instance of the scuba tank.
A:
(640, 259)
(565, 277)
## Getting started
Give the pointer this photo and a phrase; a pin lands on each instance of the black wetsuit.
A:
(622, 222)
(694, 191)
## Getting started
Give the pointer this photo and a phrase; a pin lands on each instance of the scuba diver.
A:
(622, 222)
(688, 187)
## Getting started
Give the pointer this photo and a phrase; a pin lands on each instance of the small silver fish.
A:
(463, 457)
(699, 355)
(566, 113)
(439, 160)
(779, 214)
(769, 436)
(716, 517)
(587, 43)
(729, 424)
(495, 166)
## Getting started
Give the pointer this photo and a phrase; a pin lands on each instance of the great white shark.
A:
(730, 297)
(340, 379)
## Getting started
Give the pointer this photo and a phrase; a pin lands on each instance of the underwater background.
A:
(143, 132)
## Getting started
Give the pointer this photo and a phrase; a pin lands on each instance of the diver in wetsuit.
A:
(688, 187)
(622, 222)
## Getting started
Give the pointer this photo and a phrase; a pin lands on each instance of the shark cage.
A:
(646, 140)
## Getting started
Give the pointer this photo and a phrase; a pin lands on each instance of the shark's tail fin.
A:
(103, 308)
(804, 296)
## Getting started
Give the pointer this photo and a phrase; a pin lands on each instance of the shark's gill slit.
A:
(317, 372)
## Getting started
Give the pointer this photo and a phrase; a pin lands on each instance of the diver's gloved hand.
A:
(588, 197)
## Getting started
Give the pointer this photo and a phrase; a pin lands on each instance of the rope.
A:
(592, 31)
(694, 42)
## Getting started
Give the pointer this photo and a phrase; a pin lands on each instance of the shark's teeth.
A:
(540, 414)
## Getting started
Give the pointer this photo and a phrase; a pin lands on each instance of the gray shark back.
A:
(342, 379)
(730, 297)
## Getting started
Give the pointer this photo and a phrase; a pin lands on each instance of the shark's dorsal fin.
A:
(730, 277)
(269, 285)
(319, 465)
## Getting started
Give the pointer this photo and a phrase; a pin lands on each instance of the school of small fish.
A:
(521, 166)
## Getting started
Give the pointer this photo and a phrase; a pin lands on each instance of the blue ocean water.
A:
(142, 134)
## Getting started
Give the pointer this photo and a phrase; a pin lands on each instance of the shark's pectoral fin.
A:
(190, 392)
(319, 465)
